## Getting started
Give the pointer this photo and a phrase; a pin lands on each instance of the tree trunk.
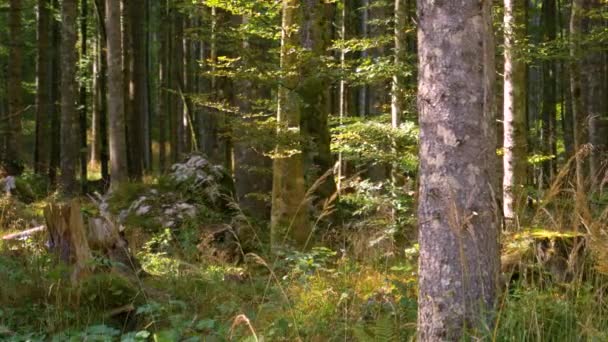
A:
(12, 159)
(43, 89)
(548, 131)
(163, 97)
(116, 106)
(55, 134)
(69, 116)
(458, 225)
(83, 100)
(68, 237)
(289, 215)
(138, 88)
(104, 153)
(313, 88)
(578, 102)
(398, 84)
(592, 89)
(362, 101)
(514, 110)
(252, 170)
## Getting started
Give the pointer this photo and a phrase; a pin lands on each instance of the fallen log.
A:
(24, 233)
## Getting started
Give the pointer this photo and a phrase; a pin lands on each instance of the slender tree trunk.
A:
(83, 99)
(458, 225)
(69, 115)
(138, 88)
(176, 63)
(549, 98)
(362, 101)
(578, 104)
(289, 216)
(116, 105)
(55, 97)
(43, 89)
(514, 109)
(592, 89)
(398, 85)
(13, 156)
(102, 59)
(163, 97)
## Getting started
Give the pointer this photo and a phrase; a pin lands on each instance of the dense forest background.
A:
(275, 170)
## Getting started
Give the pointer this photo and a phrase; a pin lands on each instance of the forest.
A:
(303, 170)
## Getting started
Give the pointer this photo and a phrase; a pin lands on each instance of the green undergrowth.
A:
(357, 284)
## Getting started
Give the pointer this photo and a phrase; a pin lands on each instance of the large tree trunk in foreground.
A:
(458, 223)
(289, 217)
(116, 100)
(69, 116)
(514, 110)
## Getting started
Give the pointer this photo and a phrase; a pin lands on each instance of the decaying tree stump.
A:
(67, 236)
(74, 242)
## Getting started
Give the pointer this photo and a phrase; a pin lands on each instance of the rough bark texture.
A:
(117, 143)
(69, 115)
(12, 156)
(289, 217)
(458, 224)
(514, 109)
(43, 89)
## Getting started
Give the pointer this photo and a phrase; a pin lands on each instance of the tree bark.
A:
(548, 132)
(116, 106)
(252, 169)
(289, 214)
(398, 83)
(43, 89)
(313, 89)
(458, 223)
(69, 116)
(592, 89)
(55, 134)
(83, 100)
(138, 88)
(514, 109)
(12, 161)
(579, 109)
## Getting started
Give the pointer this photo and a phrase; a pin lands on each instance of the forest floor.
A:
(201, 283)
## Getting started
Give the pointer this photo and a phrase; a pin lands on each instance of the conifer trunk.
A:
(458, 224)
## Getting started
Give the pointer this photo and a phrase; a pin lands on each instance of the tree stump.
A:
(68, 237)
